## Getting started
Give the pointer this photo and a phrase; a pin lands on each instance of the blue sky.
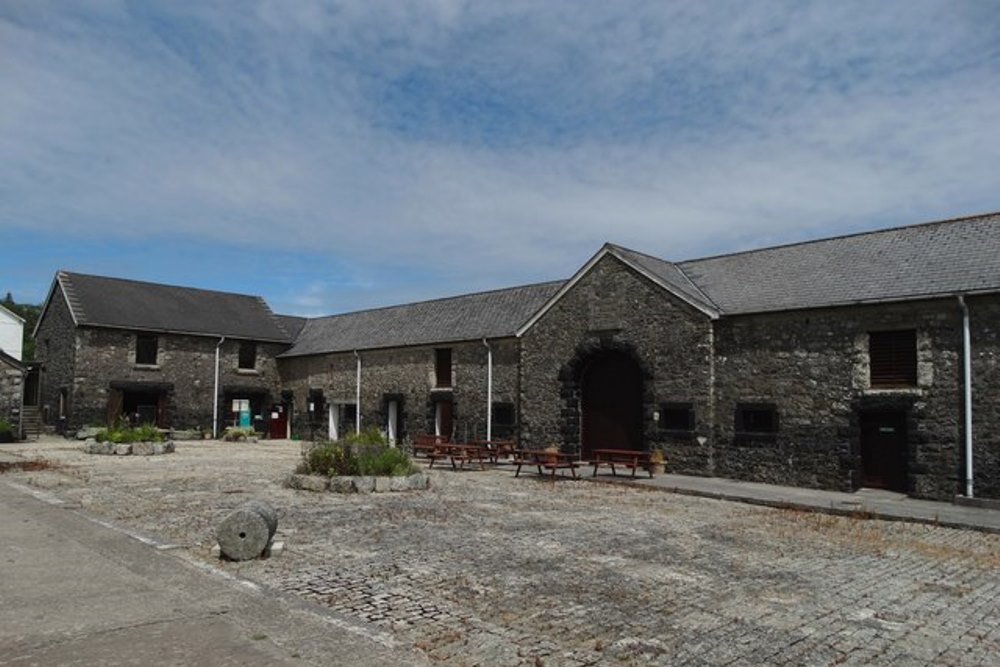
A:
(338, 155)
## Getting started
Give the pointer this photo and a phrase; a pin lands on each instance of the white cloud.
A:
(495, 142)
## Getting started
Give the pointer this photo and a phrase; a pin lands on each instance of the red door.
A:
(278, 425)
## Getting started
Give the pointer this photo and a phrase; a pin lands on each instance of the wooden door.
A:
(611, 404)
(883, 450)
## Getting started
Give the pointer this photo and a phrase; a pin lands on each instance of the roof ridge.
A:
(870, 232)
(443, 298)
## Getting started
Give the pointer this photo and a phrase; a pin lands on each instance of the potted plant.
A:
(656, 461)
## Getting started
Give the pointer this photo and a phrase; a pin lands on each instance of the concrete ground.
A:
(76, 592)
(486, 569)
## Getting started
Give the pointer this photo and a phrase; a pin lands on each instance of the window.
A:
(248, 356)
(503, 414)
(146, 346)
(677, 417)
(893, 356)
(756, 418)
(442, 367)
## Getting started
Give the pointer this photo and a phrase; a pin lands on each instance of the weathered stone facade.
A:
(406, 376)
(56, 350)
(811, 367)
(11, 391)
(984, 315)
(614, 309)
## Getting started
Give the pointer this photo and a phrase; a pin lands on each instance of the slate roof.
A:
(917, 261)
(495, 314)
(292, 324)
(130, 304)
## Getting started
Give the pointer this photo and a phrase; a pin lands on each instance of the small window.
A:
(248, 356)
(146, 347)
(442, 366)
(893, 358)
(503, 414)
(756, 418)
(677, 417)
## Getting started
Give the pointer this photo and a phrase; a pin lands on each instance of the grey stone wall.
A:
(406, 375)
(813, 365)
(614, 308)
(11, 390)
(185, 369)
(984, 316)
(55, 348)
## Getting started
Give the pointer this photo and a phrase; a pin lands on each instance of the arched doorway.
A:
(611, 403)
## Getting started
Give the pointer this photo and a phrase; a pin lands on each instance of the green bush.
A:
(122, 433)
(364, 454)
(6, 426)
(237, 433)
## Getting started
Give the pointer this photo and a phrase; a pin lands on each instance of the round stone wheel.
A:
(247, 531)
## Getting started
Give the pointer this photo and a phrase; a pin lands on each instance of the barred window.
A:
(677, 417)
(756, 418)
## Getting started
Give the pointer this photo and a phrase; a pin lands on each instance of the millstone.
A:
(247, 531)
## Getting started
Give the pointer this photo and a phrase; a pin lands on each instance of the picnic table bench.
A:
(494, 449)
(545, 462)
(628, 458)
(436, 447)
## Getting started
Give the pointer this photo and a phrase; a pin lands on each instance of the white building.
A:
(11, 333)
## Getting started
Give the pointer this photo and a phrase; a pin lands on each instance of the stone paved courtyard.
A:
(486, 569)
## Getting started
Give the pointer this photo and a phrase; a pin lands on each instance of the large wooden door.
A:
(611, 404)
(883, 450)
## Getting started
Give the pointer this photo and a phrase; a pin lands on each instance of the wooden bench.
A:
(626, 458)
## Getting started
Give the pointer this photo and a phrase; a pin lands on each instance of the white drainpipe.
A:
(967, 372)
(489, 391)
(215, 403)
(357, 397)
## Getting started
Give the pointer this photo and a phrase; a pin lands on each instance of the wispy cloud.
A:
(484, 144)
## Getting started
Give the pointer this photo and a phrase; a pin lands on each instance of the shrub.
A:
(6, 426)
(366, 454)
(122, 433)
(237, 433)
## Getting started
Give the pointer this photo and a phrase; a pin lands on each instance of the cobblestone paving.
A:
(486, 569)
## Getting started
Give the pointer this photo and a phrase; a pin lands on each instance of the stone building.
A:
(11, 390)
(447, 367)
(120, 349)
(864, 360)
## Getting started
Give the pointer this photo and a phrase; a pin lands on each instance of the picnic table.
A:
(436, 447)
(545, 462)
(628, 458)
(494, 449)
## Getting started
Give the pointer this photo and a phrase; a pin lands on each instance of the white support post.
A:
(489, 391)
